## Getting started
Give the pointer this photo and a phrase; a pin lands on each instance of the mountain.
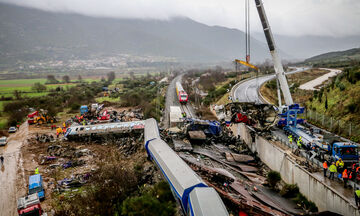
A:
(302, 47)
(336, 59)
(30, 34)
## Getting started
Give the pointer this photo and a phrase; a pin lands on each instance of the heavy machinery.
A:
(44, 119)
(29, 205)
(40, 118)
(290, 111)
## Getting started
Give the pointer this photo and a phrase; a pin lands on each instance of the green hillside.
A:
(340, 100)
(335, 59)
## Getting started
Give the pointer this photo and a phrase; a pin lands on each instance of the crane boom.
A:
(279, 70)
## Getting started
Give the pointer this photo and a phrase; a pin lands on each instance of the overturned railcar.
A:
(104, 131)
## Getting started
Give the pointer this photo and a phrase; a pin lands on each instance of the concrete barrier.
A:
(325, 198)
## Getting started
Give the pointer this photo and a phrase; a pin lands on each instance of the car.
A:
(12, 130)
(3, 141)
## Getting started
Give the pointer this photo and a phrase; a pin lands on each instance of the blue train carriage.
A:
(195, 197)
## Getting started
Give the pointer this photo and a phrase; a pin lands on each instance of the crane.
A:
(289, 112)
(279, 70)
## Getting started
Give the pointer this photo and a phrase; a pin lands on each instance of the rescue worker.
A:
(357, 197)
(325, 167)
(345, 177)
(298, 142)
(340, 165)
(2, 159)
(332, 170)
(37, 170)
(290, 138)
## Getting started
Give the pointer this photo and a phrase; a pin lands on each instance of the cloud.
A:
(295, 17)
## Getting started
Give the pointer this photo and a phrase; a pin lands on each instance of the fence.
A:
(343, 128)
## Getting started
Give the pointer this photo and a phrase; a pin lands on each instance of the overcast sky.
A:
(287, 17)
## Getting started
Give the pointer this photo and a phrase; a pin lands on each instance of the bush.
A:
(305, 203)
(289, 190)
(273, 178)
(341, 86)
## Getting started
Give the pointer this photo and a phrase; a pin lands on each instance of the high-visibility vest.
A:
(357, 192)
(299, 143)
(37, 171)
(341, 164)
(350, 176)
(332, 168)
(344, 174)
(325, 166)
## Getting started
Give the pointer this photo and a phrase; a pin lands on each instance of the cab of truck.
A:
(36, 186)
(347, 151)
(84, 109)
(29, 205)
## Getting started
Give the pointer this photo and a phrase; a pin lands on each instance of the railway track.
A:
(186, 109)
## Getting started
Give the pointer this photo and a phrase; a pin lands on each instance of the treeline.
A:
(143, 92)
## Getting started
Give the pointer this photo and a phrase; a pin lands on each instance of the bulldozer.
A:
(44, 119)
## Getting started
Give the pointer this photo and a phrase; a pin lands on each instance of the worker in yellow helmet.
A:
(290, 138)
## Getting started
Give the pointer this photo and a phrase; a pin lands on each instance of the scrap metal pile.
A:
(225, 163)
(261, 117)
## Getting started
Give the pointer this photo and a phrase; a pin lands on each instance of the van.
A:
(3, 141)
(36, 186)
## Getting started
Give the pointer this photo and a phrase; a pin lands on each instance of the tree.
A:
(66, 79)
(51, 79)
(80, 78)
(132, 75)
(326, 102)
(38, 87)
(17, 94)
(111, 76)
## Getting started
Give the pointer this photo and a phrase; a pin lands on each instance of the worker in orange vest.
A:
(325, 166)
(345, 177)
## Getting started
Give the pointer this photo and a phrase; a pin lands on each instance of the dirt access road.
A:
(10, 188)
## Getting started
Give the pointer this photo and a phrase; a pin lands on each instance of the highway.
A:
(248, 90)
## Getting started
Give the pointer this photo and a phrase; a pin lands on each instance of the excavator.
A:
(43, 118)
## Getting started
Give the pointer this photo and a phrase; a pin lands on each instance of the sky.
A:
(336, 18)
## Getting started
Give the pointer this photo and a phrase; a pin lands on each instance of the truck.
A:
(176, 118)
(84, 109)
(29, 205)
(289, 112)
(330, 149)
(36, 186)
(31, 117)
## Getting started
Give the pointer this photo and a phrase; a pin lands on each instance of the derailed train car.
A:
(100, 131)
(195, 197)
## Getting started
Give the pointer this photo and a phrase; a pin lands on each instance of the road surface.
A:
(9, 171)
(248, 90)
(318, 81)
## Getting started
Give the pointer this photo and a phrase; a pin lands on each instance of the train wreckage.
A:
(98, 131)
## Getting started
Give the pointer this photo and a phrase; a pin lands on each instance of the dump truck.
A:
(29, 205)
(36, 186)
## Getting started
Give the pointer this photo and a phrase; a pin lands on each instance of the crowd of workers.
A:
(337, 170)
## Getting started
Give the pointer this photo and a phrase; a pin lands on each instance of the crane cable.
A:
(247, 31)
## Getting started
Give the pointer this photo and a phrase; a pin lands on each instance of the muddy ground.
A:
(25, 152)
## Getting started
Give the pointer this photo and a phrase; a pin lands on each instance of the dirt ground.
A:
(11, 183)
(24, 153)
